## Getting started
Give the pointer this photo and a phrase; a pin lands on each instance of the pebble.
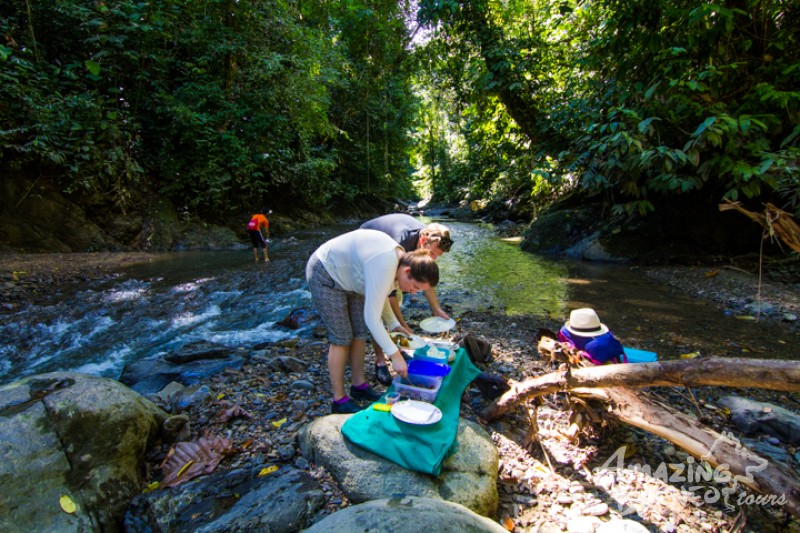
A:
(564, 499)
(622, 526)
(605, 481)
(583, 524)
(524, 499)
(286, 452)
(598, 509)
(302, 384)
(576, 487)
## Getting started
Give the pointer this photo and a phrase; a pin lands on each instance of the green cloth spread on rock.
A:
(422, 448)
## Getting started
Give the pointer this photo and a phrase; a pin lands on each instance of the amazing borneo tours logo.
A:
(698, 479)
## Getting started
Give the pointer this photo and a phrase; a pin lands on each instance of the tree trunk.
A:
(732, 461)
(612, 383)
(727, 372)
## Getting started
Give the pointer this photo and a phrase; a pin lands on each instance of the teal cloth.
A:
(416, 447)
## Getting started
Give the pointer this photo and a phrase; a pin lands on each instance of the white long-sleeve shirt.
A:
(365, 261)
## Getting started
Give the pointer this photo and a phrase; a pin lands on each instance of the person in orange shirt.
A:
(258, 228)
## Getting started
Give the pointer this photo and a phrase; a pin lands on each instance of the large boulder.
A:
(75, 435)
(234, 500)
(406, 515)
(468, 478)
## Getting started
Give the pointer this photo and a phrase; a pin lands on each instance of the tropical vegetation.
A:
(221, 104)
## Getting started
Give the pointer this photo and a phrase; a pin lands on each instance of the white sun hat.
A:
(585, 323)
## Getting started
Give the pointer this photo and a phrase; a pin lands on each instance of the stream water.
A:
(227, 298)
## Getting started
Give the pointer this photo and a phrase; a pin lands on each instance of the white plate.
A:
(414, 342)
(437, 324)
(416, 412)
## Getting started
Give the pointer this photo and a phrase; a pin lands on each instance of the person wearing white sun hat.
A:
(585, 331)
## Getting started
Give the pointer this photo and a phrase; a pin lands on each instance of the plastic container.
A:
(421, 387)
(639, 356)
(451, 348)
(425, 380)
(391, 398)
(424, 354)
(427, 368)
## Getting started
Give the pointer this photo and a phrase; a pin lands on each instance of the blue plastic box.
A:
(639, 356)
(428, 368)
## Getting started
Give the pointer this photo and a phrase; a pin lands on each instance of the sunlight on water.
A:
(263, 333)
(189, 287)
(495, 273)
(127, 291)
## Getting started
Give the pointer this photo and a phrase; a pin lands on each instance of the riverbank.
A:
(544, 484)
(34, 276)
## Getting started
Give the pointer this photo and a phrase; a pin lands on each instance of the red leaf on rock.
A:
(187, 460)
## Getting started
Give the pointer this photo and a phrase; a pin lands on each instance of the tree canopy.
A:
(214, 103)
(638, 99)
(220, 104)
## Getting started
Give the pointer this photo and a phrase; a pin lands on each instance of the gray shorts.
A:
(341, 311)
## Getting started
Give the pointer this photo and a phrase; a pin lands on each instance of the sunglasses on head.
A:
(445, 243)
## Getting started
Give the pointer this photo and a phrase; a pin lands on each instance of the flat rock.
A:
(468, 478)
(406, 515)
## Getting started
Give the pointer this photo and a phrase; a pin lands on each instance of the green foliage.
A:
(56, 117)
(372, 103)
(218, 104)
(221, 104)
(639, 100)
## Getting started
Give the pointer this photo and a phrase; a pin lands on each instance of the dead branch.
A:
(774, 220)
(722, 451)
(723, 372)
(612, 384)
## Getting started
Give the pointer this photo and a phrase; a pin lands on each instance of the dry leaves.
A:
(187, 460)
(234, 412)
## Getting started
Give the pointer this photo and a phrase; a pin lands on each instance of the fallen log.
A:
(716, 371)
(731, 461)
(612, 384)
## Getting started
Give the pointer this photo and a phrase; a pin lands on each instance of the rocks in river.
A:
(74, 435)
(190, 365)
(298, 318)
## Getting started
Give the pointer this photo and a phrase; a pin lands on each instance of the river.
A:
(224, 297)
